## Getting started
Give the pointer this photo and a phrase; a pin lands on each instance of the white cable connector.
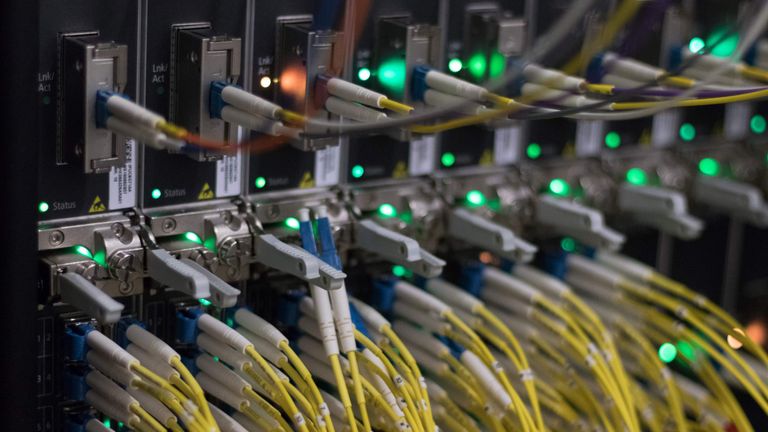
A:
(225, 422)
(153, 406)
(418, 316)
(630, 68)
(439, 99)
(353, 111)
(151, 343)
(224, 375)
(345, 329)
(632, 268)
(419, 338)
(217, 390)
(323, 315)
(226, 354)
(155, 364)
(455, 86)
(110, 350)
(553, 79)
(486, 378)
(517, 287)
(540, 93)
(112, 370)
(533, 276)
(419, 298)
(112, 392)
(249, 103)
(311, 346)
(257, 123)
(133, 113)
(222, 332)
(429, 362)
(156, 140)
(354, 93)
(373, 319)
(453, 295)
(264, 347)
(259, 326)
(620, 81)
(588, 268)
(334, 405)
(106, 407)
(502, 298)
(95, 425)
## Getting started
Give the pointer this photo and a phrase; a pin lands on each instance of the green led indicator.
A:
(447, 159)
(364, 74)
(475, 198)
(387, 210)
(478, 65)
(498, 65)
(758, 124)
(205, 302)
(216, 359)
(637, 176)
(392, 74)
(43, 207)
(107, 422)
(194, 238)
(230, 322)
(533, 151)
(696, 44)
(84, 251)
(260, 182)
(156, 193)
(568, 244)
(722, 45)
(101, 258)
(667, 352)
(120, 425)
(455, 65)
(687, 132)
(709, 167)
(398, 271)
(292, 223)
(612, 140)
(358, 171)
(559, 187)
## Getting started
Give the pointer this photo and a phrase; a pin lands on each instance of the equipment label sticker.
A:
(327, 163)
(506, 145)
(122, 180)
(228, 175)
(422, 155)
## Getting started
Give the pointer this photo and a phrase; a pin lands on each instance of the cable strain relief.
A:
(419, 82)
(216, 101)
(383, 293)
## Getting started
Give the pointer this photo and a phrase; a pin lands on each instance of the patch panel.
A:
(346, 215)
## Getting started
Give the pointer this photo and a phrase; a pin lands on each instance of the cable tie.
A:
(324, 410)
(590, 361)
(681, 312)
(497, 366)
(298, 418)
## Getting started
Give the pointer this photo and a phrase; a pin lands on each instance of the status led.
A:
(260, 182)
(455, 65)
(292, 223)
(204, 302)
(358, 171)
(612, 140)
(364, 74)
(696, 44)
(84, 251)
(194, 238)
(687, 132)
(399, 271)
(156, 193)
(448, 159)
(637, 176)
(533, 151)
(757, 124)
(478, 65)
(709, 167)
(387, 210)
(43, 207)
(475, 198)
(559, 187)
(265, 82)
(568, 244)
(667, 352)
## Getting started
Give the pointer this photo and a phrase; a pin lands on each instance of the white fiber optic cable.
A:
(250, 103)
(257, 123)
(154, 407)
(353, 111)
(553, 79)
(439, 99)
(354, 93)
(111, 410)
(226, 423)
(418, 316)
(559, 97)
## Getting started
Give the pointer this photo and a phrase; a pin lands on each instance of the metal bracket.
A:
(732, 197)
(396, 247)
(662, 208)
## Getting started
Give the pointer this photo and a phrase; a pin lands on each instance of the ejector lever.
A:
(84, 295)
(295, 261)
(580, 222)
(396, 247)
(662, 208)
(732, 197)
(223, 295)
(478, 231)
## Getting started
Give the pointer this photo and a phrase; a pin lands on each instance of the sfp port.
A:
(87, 65)
(198, 58)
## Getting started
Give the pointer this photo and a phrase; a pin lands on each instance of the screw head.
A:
(168, 225)
(56, 238)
